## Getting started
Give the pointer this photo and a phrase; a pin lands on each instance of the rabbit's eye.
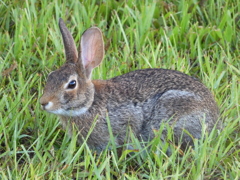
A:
(72, 84)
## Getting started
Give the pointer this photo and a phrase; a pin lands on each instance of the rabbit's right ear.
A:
(69, 45)
(92, 49)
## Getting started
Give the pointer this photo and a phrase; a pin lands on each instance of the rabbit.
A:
(141, 99)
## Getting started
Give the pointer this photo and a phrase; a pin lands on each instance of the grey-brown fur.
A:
(141, 99)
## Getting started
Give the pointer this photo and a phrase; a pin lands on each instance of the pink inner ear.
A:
(85, 60)
(92, 49)
(88, 54)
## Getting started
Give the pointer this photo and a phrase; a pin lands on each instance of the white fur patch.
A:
(49, 105)
(75, 112)
(180, 93)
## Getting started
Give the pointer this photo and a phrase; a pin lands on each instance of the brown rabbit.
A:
(141, 99)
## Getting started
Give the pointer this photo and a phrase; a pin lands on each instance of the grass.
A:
(200, 38)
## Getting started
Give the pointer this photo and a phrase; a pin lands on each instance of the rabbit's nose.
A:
(47, 105)
(44, 105)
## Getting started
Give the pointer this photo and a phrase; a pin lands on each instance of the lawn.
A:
(199, 38)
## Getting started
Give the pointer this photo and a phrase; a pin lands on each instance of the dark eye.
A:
(72, 84)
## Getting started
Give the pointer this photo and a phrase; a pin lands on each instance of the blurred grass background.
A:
(199, 38)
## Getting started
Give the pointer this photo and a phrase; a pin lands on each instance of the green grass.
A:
(200, 38)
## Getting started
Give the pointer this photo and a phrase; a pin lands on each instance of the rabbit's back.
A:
(143, 99)
(148, 85)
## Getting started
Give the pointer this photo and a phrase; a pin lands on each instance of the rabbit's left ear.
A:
(92, 49)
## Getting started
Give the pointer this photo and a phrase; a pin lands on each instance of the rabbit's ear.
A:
(69, 45)
(92, 49)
